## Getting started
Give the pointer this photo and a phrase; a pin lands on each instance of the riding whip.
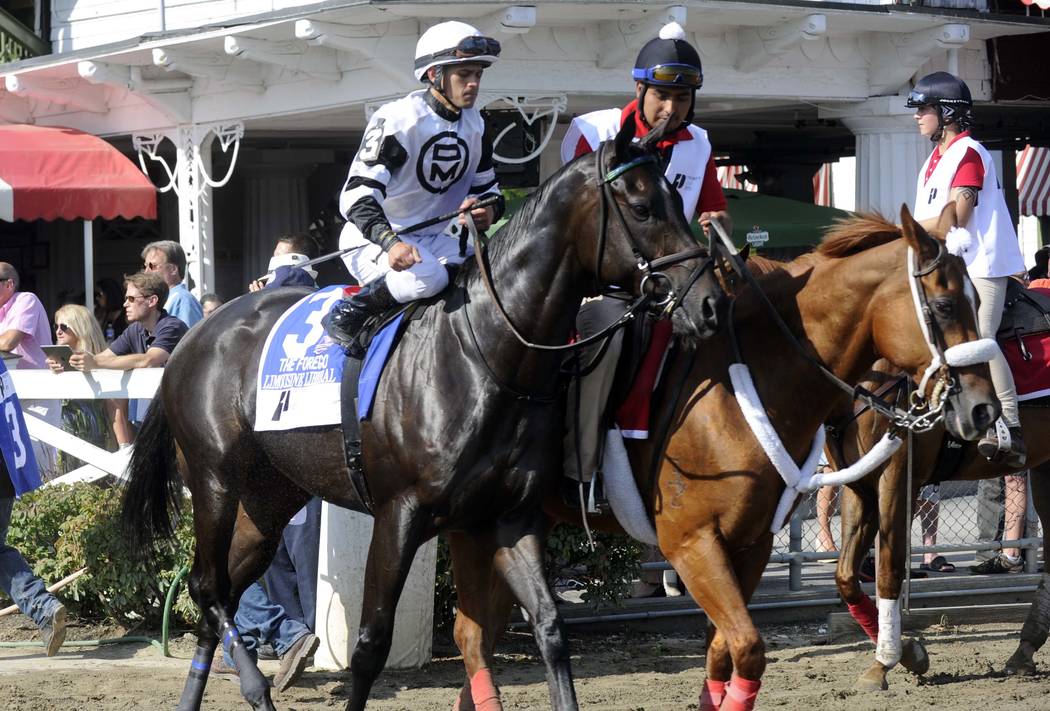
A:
(486, 202)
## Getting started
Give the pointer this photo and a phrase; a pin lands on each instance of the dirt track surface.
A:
(624, 672)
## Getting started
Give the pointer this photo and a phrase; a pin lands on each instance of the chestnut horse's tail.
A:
(153, 490)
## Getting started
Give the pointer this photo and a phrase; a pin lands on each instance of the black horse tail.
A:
(153, 491)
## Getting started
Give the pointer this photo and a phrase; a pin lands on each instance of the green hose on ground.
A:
(169, 601)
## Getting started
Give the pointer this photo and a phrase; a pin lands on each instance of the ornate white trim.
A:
(532, 108)
(228, 134)
(149, 145)
(191, 138)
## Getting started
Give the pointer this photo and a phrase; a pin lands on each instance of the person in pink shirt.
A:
(23, 321)
(23, 329)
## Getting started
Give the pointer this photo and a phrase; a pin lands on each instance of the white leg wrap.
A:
(888, 646)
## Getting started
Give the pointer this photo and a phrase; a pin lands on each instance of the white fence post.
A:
(345, 536)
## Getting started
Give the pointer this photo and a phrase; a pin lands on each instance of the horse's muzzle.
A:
(703, 310)
(968, 416)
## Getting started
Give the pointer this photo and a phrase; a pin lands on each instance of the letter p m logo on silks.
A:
(14, 439)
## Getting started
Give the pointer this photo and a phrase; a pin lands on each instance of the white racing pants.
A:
(989, 314)
(369, 262)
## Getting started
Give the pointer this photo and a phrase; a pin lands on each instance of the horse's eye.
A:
(944, 307)
(640, 211)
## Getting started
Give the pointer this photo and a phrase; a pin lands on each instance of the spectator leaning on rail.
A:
(77, 328)
(152, 333)
(23, 329)
(167, 259)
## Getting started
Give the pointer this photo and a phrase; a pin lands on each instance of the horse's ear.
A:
(623, 140)
(745, 252)
(917, 237)
(651, 139)
(948, 219)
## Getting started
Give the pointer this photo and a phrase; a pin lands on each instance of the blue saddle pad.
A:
(378, 352)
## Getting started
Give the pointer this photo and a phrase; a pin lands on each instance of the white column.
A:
(196, 230)
(345, 537)
(890, 153)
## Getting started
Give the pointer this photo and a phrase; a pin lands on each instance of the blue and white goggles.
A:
(670, 75)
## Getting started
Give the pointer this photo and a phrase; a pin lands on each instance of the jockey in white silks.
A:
(423, 155)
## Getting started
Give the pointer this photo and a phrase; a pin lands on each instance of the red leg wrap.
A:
(740, 694)
(483, 691)
(866, 615)
(711, 696)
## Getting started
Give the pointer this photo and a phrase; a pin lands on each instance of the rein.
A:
(922, 416)
(670, 300)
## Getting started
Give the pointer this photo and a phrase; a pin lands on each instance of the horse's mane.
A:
(760, 266)
(856, 234)
(513, 230)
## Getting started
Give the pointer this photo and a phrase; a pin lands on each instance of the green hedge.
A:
(60, 529)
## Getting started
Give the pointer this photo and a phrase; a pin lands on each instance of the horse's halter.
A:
(651, 279)
(922, 415)
(668, 302)
(927, 412)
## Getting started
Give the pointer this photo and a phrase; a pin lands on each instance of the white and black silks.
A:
(417, 159)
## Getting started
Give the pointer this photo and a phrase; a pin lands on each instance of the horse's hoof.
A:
(914, 657)
(1020, 664)
(874, 679)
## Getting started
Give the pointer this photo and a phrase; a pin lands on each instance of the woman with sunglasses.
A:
(77, 328)
(423, 155)
(960, 170)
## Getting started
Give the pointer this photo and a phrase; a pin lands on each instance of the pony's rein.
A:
(915, 418)
(641, 301)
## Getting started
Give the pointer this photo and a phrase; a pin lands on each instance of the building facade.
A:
(246, 113)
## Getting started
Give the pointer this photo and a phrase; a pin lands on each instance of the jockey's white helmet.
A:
(453, 42)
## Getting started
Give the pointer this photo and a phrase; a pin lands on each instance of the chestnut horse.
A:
(713, 492)
(459, 430)
(877, 504)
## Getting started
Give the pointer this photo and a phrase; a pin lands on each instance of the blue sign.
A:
(14, 439)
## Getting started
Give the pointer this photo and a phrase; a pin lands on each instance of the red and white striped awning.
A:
(822, 186)
(65, 174)
(729, 177)
(1033, 181)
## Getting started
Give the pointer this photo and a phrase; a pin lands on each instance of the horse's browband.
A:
(621, 169)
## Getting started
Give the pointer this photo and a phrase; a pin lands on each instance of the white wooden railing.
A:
(141, 383)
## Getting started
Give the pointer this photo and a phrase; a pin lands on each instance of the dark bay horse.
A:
(878, 504)
(714, 491)
(465, 430)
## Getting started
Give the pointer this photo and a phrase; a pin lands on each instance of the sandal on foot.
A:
(938, 565)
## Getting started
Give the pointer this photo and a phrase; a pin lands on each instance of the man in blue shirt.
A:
(152, 333)
(167, 259)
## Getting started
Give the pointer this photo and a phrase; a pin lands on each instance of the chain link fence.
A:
(954, 525)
